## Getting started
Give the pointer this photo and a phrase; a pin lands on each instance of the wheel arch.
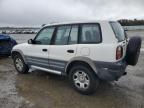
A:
(80, 60)
(14, 52)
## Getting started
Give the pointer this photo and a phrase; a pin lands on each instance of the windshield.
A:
(118, 30)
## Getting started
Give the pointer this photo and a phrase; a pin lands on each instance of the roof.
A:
(75, 22)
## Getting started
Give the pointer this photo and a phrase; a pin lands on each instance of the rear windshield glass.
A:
(118, 30)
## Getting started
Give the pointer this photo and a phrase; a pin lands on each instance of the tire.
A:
(88, 80)
(133, 50)
(20, 65)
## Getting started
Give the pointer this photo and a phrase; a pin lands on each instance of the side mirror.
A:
(30, 41)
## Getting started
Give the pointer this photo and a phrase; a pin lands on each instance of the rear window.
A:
(118, 30)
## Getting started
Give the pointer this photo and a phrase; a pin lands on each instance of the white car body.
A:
(57, 60)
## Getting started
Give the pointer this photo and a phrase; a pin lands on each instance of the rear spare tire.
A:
(133, 50)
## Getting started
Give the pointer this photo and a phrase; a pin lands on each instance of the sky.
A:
(38, 12)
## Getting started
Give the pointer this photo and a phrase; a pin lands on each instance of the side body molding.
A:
(82, 59)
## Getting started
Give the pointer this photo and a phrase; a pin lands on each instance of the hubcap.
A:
(19, 64)
(81, 80)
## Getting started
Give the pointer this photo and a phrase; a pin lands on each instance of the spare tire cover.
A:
(133, 50)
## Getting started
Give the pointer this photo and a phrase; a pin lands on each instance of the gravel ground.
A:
(42, 90)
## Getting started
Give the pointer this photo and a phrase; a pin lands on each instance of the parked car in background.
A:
(6, 45)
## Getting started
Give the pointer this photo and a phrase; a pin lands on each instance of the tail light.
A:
(119, 52)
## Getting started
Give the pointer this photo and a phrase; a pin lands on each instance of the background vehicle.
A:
(6, 45)
(86, 52)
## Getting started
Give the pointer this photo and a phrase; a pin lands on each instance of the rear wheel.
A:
(83, 79)
(20, 65)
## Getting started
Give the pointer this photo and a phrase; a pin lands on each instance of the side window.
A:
(90, 33)
(73, 39)
(45, 35)
(62, 35)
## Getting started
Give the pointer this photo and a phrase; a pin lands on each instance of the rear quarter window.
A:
(118, 31)
(90, 34)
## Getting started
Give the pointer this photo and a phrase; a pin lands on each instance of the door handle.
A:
(44, 50)
(70, 51)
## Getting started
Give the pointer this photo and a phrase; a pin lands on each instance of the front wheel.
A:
(83, 79)
(20, 65)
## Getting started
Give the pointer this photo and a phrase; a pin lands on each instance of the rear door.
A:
(64, 46)
(120, 35)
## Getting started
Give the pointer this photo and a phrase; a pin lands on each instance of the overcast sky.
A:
(37, 12)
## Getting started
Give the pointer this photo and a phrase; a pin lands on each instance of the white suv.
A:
(86, 52)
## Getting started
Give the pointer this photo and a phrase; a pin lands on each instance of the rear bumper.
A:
(111, 71)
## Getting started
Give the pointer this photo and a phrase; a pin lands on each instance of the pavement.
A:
(42, 90)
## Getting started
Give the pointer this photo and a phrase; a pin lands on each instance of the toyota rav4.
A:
(86, 52)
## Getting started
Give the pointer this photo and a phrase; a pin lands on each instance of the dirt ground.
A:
(42, 90)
